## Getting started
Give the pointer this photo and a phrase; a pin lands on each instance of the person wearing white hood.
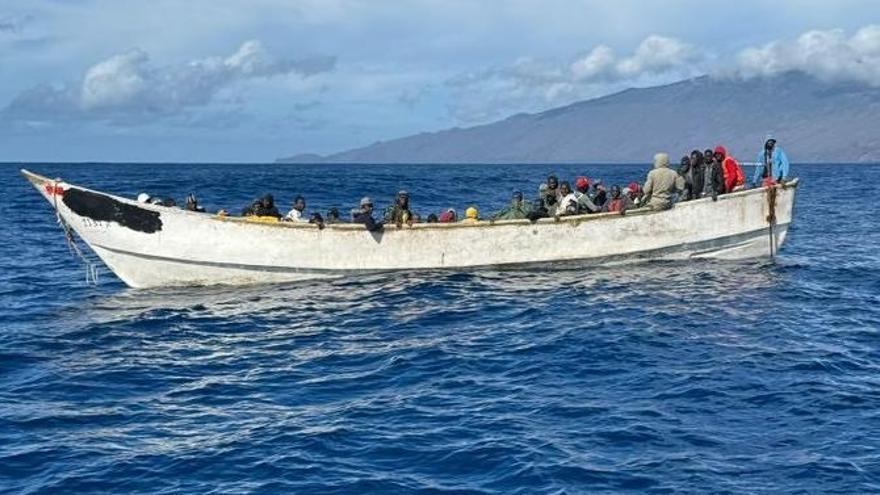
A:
(662, 183)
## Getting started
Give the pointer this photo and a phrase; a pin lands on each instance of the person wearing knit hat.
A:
(661, 184)
(364, 215)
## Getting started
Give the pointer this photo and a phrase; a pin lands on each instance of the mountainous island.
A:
(814, 120)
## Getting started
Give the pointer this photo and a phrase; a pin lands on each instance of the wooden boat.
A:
(155, 246)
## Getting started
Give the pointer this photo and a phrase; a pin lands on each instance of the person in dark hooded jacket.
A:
(263, 207)
(192, 204)
(696, 170)
(600, 195)
(333, 216)
(713, 177)
(553, 185)
(317, 219)
(544, 205)
(684, 171)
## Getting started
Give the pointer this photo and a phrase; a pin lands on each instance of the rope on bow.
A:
(91, 268)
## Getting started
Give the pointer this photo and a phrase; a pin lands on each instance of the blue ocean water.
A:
(760, 376)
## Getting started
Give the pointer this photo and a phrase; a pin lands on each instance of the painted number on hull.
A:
(95, 224)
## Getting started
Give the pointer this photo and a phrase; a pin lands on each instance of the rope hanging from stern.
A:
(771, 218)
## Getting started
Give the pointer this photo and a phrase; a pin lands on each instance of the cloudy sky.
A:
(223, 80)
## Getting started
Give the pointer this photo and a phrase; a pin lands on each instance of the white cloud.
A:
(654, 55)
(531, 84)
(600, 61)
(115, 81)
(829, 55)
(127, 88)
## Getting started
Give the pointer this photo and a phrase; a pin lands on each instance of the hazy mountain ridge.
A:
(814, 121)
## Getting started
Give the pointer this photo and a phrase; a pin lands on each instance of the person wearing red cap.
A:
(585, 204)
(734, 178)
(634, 192)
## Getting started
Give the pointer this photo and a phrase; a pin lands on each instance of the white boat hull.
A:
(186, 248)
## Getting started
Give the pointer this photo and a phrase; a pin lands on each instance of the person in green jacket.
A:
(518, 208)
(399, 213)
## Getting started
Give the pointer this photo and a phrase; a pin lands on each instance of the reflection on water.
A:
(415, 293)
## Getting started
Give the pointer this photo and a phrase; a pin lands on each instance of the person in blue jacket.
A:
(772, 163)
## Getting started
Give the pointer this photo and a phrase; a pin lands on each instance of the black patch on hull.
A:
(106, 209)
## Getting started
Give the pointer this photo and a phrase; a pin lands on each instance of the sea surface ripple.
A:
(753, 377)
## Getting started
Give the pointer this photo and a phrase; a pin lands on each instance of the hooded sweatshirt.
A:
(733, 173)
(661, 184)
(713, 179)
(778, 162)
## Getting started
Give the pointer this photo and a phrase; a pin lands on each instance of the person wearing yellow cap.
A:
(471, 215)
(661, 184)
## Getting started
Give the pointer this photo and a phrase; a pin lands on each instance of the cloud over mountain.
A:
(126, 88)
(530, 84)
(655, 55)
(829, 55)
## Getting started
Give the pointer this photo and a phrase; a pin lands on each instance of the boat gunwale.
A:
(575, 220)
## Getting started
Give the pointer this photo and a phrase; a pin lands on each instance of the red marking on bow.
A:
(54, 190)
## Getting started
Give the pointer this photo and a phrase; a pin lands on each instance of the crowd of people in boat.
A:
(700, 174)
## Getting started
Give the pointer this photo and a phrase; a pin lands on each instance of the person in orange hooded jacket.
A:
(734, 178)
